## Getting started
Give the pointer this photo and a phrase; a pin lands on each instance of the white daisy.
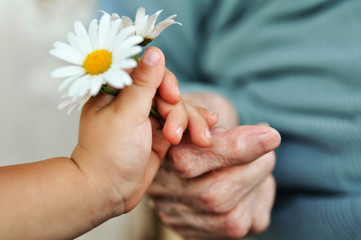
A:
(145, 24)
(98, 57)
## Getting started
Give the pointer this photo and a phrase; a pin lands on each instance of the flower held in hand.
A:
(99, 57)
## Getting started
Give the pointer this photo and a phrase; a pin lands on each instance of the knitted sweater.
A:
(297, 66)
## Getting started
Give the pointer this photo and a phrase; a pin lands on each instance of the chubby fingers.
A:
(183, 116)
(237, 146)
(169, 88)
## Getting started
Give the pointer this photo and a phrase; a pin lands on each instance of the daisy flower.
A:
(98, 57)
(145, 24)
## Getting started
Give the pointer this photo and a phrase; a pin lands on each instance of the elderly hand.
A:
(223, 191)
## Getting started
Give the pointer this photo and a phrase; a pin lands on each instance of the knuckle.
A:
(217, 199)
(238, 148)
(140, 76)
(261, 223)
(212, 201)
(235, 226)
(183, 162)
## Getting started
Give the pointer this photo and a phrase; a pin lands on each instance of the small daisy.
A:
(98, 57)
(145, 24)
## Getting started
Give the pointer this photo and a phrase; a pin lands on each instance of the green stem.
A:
(109, 90)
(156, 114)
(136, 58)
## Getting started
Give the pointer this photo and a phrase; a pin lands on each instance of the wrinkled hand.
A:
(224, 191)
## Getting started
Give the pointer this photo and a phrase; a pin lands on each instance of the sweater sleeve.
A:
(297, 66)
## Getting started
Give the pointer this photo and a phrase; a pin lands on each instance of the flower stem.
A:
(109, 90)
(136, 58)
(156, 114)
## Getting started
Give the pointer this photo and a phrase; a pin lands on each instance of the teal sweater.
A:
(296, 65)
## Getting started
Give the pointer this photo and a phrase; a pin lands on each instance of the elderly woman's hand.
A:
(223, 191)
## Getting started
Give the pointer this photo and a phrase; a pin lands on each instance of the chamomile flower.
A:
(98, 56)
(145, 24)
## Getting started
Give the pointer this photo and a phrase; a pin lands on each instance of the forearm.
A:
(50, 199)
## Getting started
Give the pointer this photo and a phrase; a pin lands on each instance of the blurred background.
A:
(32, 128)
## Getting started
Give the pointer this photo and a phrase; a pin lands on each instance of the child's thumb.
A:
(147, 76)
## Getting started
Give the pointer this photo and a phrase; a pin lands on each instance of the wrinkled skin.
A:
(224, 191)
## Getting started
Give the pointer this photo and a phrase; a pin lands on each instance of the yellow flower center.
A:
(97, 62)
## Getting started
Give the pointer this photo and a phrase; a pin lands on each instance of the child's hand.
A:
(119, 149)
(117, 156)
(115, 137)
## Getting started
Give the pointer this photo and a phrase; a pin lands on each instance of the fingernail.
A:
(151, 58)
(177, 91)
(207, 133)
(179, 131)
(269, 140)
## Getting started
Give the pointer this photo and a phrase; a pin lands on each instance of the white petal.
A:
(126, 53)
(83, 36)
(93, 33)
(65, 103)
(75, 88)
(151, 22)
(74, 103)
(104, 12)
(67, 82)
(129, 42)
(140, 21)
(76, 43)
(86, 86)
(123, 34)
(67, 71)
(118, 78)
(113, 31)
(115, 16)
(125, 64)
(127, 22)
(140, 15)
(71, 110)
(81, 104)
(160, 27)
(97, 83)
(104, 29)
(171, 17)
(61, 46)
(67, 56)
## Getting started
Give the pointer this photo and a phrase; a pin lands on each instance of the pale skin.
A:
(225, 191)
(119, 151)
